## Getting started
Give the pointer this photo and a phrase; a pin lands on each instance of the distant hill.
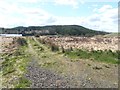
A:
(112, 35)
(53, 30)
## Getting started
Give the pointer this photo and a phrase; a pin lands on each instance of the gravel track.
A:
(44, 78)
(86, 76)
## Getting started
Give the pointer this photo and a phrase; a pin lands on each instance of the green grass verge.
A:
(48, 59)
(23, 83)
(14, 65)
(102, 56)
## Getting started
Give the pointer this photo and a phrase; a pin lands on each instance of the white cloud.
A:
(73, 3)
(27, 1)
(104, 18)
(12, 14)
(108, 18)
(67, 20)
(101, 0)
(105, 8)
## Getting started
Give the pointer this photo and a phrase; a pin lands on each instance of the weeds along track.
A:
(49, 59)
(34, 65)
(14, 65)
(41, 70)
(79, 72)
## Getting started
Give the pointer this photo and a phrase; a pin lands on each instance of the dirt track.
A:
(80, 74)
(47, 69)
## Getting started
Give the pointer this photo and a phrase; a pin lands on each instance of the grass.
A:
(10, 62)
(14, 64)
(57, 62)
(23, 83)
(47, 58)
(8, 65)
(65, 65)
(48, 64)
(102, 56)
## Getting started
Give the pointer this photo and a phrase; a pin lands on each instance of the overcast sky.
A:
(98, 14)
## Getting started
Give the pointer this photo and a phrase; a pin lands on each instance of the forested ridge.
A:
(53, 30)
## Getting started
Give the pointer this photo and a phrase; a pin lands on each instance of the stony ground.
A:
(47, 69)
(79, 74)
(43, 78)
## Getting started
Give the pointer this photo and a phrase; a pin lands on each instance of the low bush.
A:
(104, 56)
(54, 47)
(22, 41)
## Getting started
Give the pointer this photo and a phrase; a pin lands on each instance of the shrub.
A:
(103, 56)
(17, 53)
(21, 41)
(63, 50)
(118, 54)
(71, 49)
(42, 41)
(54, 47)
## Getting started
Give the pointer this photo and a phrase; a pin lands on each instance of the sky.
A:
(99, 15)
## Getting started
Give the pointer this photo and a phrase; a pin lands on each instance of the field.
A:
(89, 43)
(59, 62)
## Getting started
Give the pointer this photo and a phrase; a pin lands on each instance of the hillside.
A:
(28, 62)
(112, 35)
(53, 30)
